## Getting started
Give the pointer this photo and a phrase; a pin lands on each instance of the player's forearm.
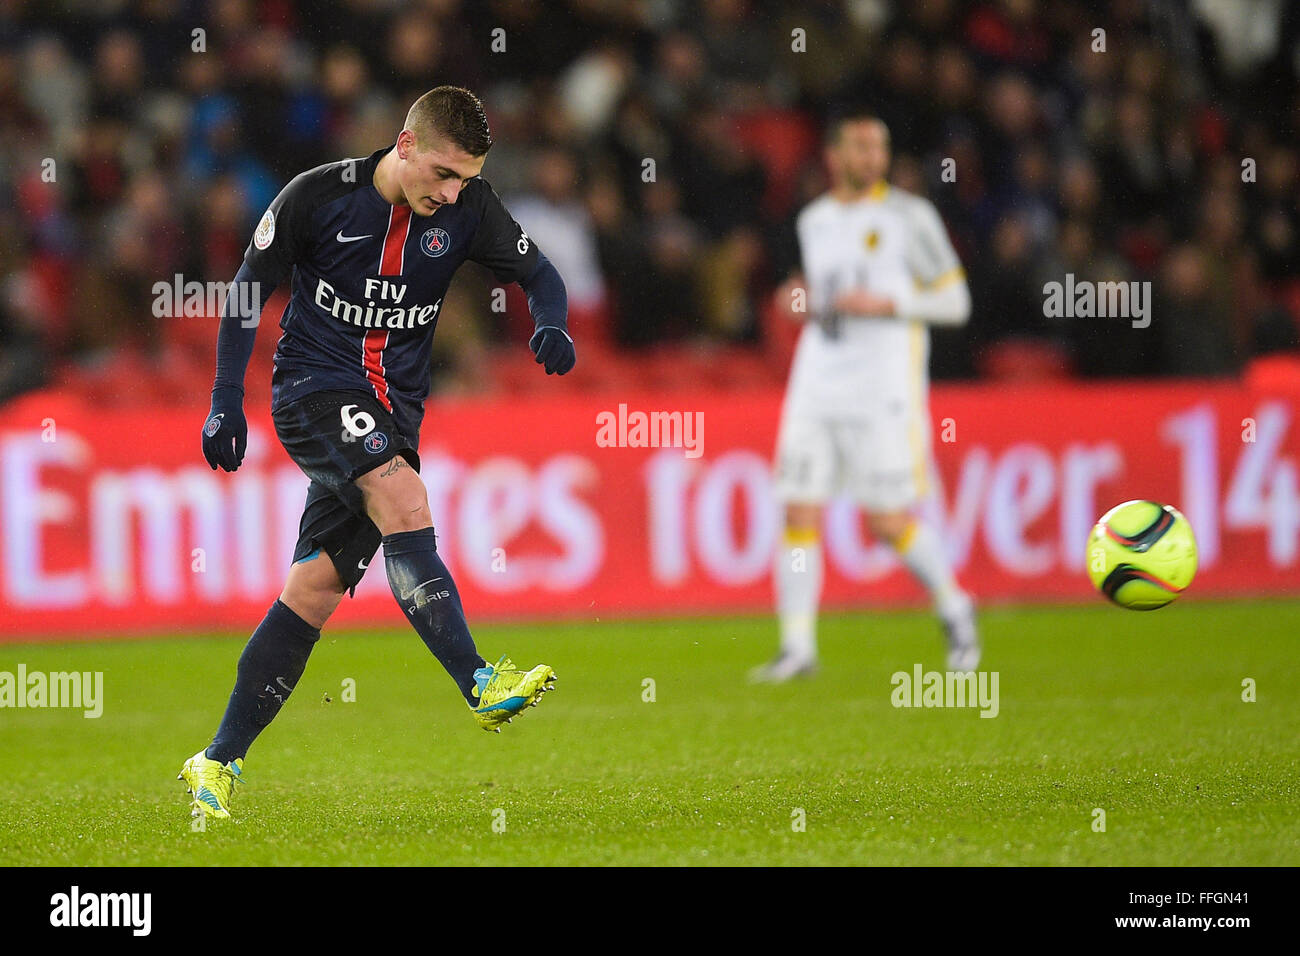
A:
(240, 317)
(946, 305)
(548, 300)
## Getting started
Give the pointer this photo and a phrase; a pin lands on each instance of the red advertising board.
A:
(111, 523)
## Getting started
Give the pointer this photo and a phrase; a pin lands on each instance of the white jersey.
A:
(889, 242)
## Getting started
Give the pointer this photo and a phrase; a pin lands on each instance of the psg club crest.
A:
(376, 442)
(435, 242)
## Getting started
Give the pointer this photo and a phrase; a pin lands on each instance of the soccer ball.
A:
(1142, 554)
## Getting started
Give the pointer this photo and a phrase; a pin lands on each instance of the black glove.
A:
(225, 433)
(554, 349)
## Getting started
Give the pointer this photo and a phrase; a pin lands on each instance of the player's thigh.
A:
(805, 463)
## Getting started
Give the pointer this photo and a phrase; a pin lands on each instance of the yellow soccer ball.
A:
(1142, 554)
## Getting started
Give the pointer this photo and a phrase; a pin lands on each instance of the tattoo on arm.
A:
(393, 466)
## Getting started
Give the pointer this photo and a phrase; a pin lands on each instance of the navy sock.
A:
(429, 599)
(270, 666)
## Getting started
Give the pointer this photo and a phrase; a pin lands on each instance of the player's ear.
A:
(405, 144)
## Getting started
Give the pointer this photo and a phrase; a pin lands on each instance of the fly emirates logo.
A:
(383, 308)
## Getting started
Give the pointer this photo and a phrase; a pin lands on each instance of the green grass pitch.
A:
(1140, 715)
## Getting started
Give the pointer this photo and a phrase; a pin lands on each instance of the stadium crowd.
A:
(658, 152)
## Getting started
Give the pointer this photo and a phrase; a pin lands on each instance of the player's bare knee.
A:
(802, 517)
(403, 516)
(395, 498)
(313, 590)
(887, 526)
(395, 511)
(314, 607)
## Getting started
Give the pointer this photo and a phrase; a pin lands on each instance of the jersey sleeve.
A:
(930, 254)
(280, 239)
(500, 243)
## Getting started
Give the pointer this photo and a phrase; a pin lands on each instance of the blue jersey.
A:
(368, 281)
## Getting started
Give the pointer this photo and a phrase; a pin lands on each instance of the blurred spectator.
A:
(1275, 225)
(555, 217)
(1197, 334)
(665, 292)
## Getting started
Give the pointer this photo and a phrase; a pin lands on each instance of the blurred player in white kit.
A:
(878, 269)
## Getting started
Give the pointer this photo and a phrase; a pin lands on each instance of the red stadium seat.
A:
(783, 141)
(1024, 360)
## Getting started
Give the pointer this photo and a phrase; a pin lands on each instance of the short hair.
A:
(454, 113)
(837, 123)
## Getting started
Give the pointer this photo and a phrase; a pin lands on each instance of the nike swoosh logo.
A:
(342, 238)
(407, 596)
(362, 565)
(280, 681)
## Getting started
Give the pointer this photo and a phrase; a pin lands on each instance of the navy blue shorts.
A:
(335, 438)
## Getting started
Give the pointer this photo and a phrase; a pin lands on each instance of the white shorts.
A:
(880, 461)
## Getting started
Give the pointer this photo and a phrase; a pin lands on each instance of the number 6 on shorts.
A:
(360, 424)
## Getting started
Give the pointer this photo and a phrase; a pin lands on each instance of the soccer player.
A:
(369, 246)
(878, 270)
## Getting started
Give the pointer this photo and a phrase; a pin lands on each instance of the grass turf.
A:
(1137, 714)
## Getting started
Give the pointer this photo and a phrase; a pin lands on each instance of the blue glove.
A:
(554, 349)
(225, 433)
